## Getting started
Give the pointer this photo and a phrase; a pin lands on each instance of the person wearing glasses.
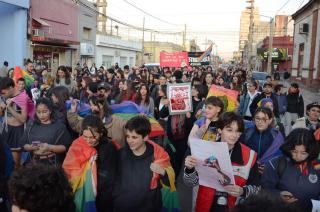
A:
(262, 137)
(312, 121)
(294, 176)
(95, 149)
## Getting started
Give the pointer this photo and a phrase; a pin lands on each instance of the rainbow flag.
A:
(19, 73)
(127, 110)
(156, 129)
(80, 166)
(228, 96)
(170, 200)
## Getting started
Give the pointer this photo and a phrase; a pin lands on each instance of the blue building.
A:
(13, 31)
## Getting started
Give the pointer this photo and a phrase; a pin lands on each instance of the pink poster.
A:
(180, 98)
(174, 59)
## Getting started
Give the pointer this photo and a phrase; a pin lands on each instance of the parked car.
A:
(260, 76)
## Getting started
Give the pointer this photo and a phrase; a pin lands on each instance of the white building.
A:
(306, 51)
(112, 49)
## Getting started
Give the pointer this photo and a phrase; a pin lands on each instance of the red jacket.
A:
(241, 173)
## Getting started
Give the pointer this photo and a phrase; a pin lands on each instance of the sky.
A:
(216, 20)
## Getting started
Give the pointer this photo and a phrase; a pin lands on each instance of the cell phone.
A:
(36, 143)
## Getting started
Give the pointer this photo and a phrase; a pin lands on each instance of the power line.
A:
(283, 6)
(159, 19)
(123, 23)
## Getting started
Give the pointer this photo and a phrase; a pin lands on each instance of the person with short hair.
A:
(312, 121)
(206, 127)
(295, 107)
(38, 188)
(146, 163)
(21, 83)
(230, 127)
(246, 100)
(294, 176)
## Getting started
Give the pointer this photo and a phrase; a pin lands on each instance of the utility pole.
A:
(249, 55)
(269, 68)
(185, 37)
(142, 51)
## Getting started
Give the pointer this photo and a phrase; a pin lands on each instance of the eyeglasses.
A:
(258, 119)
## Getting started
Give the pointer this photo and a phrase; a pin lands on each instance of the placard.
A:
(228, 97)
(180, 99)
(214, 167)
(174, 59)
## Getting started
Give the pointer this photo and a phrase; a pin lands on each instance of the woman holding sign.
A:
(245, 169)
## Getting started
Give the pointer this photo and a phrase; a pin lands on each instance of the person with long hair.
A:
(59, 95)
(144, 100)
(294, 176)
(84, 95)
(95, 149)
(263, 137)
(208, 79)
(99, 107)
(63, 78)
(127, 92)
(45, 138)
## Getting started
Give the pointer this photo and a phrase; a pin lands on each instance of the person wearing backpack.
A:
(295, 176)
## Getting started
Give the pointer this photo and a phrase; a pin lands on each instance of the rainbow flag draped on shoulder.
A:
(170, 200)
(80, 166)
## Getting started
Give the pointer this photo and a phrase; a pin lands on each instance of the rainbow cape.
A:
(83, 109)
(170, 200)
(127, 110)
(80, 166)
(228, 96)
(19, 73)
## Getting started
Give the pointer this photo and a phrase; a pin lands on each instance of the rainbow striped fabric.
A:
(228, 96)
(80, 166)
(19, 73)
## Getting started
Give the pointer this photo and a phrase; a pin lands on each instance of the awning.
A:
(42, 22)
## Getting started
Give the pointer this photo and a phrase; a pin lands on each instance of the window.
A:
(131, 62)
(107, 61)
(86, 33)
(100, 26)
(100, 11)
(123, 61)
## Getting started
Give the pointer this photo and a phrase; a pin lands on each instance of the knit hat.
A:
(264, 101)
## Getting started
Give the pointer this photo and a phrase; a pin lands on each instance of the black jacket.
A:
(295, 104)
(258, 98)
(107, 163)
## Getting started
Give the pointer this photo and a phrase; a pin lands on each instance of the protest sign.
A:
(174, 59)
(180, 99)
(214, 167)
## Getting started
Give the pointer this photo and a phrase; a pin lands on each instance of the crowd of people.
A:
(55, 157)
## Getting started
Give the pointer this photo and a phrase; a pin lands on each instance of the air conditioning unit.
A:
(35, 32)
(304, 28)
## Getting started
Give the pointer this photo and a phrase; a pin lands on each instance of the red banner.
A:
(174, 59)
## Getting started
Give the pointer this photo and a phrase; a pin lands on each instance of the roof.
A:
(305, 7)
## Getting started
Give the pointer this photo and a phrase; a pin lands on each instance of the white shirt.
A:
(248, 113)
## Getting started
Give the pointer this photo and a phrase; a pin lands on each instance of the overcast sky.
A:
(217, 20)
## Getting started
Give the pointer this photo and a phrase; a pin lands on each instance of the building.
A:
(281, 55)
(87, 32)
(245, 24)
(112, 49)
(13, 31)
(152, 50)
(53, 32)
(306, 52)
